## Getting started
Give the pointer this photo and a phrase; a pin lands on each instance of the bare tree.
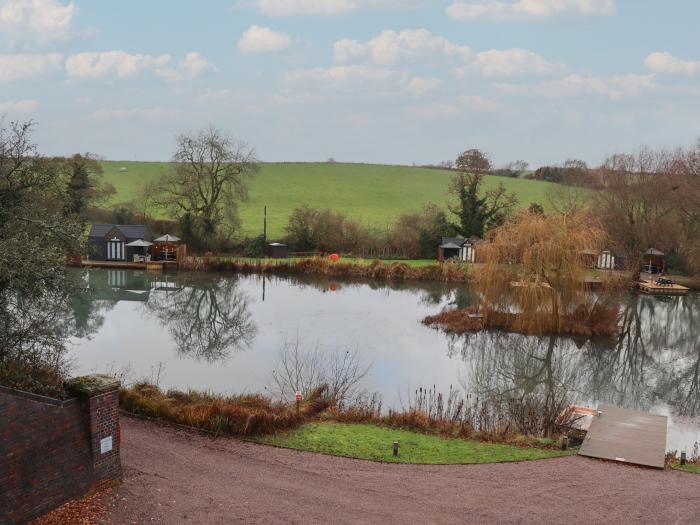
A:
(304, 370)
(473, 161)
(208, 181)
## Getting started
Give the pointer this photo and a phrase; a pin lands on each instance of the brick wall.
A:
(52, 451)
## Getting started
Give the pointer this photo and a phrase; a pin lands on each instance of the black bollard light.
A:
(565, 443)
(395, 448)
(683, 458)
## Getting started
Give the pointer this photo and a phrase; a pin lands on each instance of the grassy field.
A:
(375, 443)
(374, 194)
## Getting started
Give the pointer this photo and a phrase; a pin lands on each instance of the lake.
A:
(225, 334)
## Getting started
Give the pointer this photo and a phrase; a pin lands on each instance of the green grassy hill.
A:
(374, 194)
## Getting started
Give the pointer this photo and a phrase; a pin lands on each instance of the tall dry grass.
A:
(243, 415)
(322, 266)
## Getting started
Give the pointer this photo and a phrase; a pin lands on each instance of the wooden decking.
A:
(626, 436)
(150, 266)
(651, 288)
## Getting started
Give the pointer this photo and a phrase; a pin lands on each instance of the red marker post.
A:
(297, 397)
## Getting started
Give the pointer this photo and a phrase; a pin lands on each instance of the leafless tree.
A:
(300, 369)
(208, 181)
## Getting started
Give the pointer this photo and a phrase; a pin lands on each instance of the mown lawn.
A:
(375, 443)
(373, 194)
(695, 469)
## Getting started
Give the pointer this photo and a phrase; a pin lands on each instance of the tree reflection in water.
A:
(654, 360)
(207, 318)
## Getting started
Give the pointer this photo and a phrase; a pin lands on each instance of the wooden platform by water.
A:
(627, 436)
(651, 288)
(153, 266)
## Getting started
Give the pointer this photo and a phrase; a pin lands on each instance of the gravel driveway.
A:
(175, 476)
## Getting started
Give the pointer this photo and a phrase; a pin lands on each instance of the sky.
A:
(385, 81)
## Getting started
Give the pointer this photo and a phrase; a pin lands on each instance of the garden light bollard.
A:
(395, 448)
(683, 458)
(565, 443)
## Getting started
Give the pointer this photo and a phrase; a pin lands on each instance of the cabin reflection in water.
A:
(111, 284)
(117, 285)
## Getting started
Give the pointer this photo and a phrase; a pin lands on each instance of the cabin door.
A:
(116, 250)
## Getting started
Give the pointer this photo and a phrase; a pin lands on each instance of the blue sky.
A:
(392, 81)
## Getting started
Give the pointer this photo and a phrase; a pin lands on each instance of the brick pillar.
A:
(101, 393)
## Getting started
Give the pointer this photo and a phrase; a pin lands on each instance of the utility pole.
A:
(265, 227)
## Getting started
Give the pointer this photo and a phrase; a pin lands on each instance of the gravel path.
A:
(174, 476)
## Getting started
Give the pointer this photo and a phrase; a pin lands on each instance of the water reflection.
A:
(207, 319)
(216, 332)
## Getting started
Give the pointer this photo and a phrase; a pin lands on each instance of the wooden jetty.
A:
(151, 266)
(626, 436)
(651, 288)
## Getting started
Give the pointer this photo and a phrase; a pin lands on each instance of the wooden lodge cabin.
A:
(460, 249)
(602, 260)
(108, 242)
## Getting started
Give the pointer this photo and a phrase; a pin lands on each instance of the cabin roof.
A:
(458, 242)
(130, 231)
(654, 251)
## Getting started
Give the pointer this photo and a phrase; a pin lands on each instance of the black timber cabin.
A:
(108, 242)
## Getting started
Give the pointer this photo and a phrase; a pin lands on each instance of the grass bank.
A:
(363, 441)
(357, 268)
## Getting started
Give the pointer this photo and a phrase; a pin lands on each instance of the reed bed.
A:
(522, 422)
(322, 266)
(598, 321)
(243, 415)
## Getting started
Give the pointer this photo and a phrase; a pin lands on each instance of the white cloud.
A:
(263, 40)
(36, 21)
(332, 7)
(339, 76)
(569, 86)
(528, 9)
(456, 107)
(421, 86)
(511, 62)
(306, 7)
(193, 66)
(19, 66)
(119, 63)
(393, 47)
(666, 63)
(572, 86)
(360, 78)
(19, 106)
(155, 113)
(123, 65)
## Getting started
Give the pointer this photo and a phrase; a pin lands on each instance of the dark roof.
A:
(458, 242)
(130, 231)
(447, 242)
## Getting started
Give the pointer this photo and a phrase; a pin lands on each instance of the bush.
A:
(256, 247)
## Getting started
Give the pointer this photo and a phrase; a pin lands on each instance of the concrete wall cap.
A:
(93, 384)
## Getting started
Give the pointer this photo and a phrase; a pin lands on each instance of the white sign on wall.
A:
(106, 445)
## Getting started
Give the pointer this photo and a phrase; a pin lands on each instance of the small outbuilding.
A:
(277, 250)
(108, 242)
(458, 248)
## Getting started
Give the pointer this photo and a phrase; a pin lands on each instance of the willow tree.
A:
(535, 280)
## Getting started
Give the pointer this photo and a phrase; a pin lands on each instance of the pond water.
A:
(224, 333)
